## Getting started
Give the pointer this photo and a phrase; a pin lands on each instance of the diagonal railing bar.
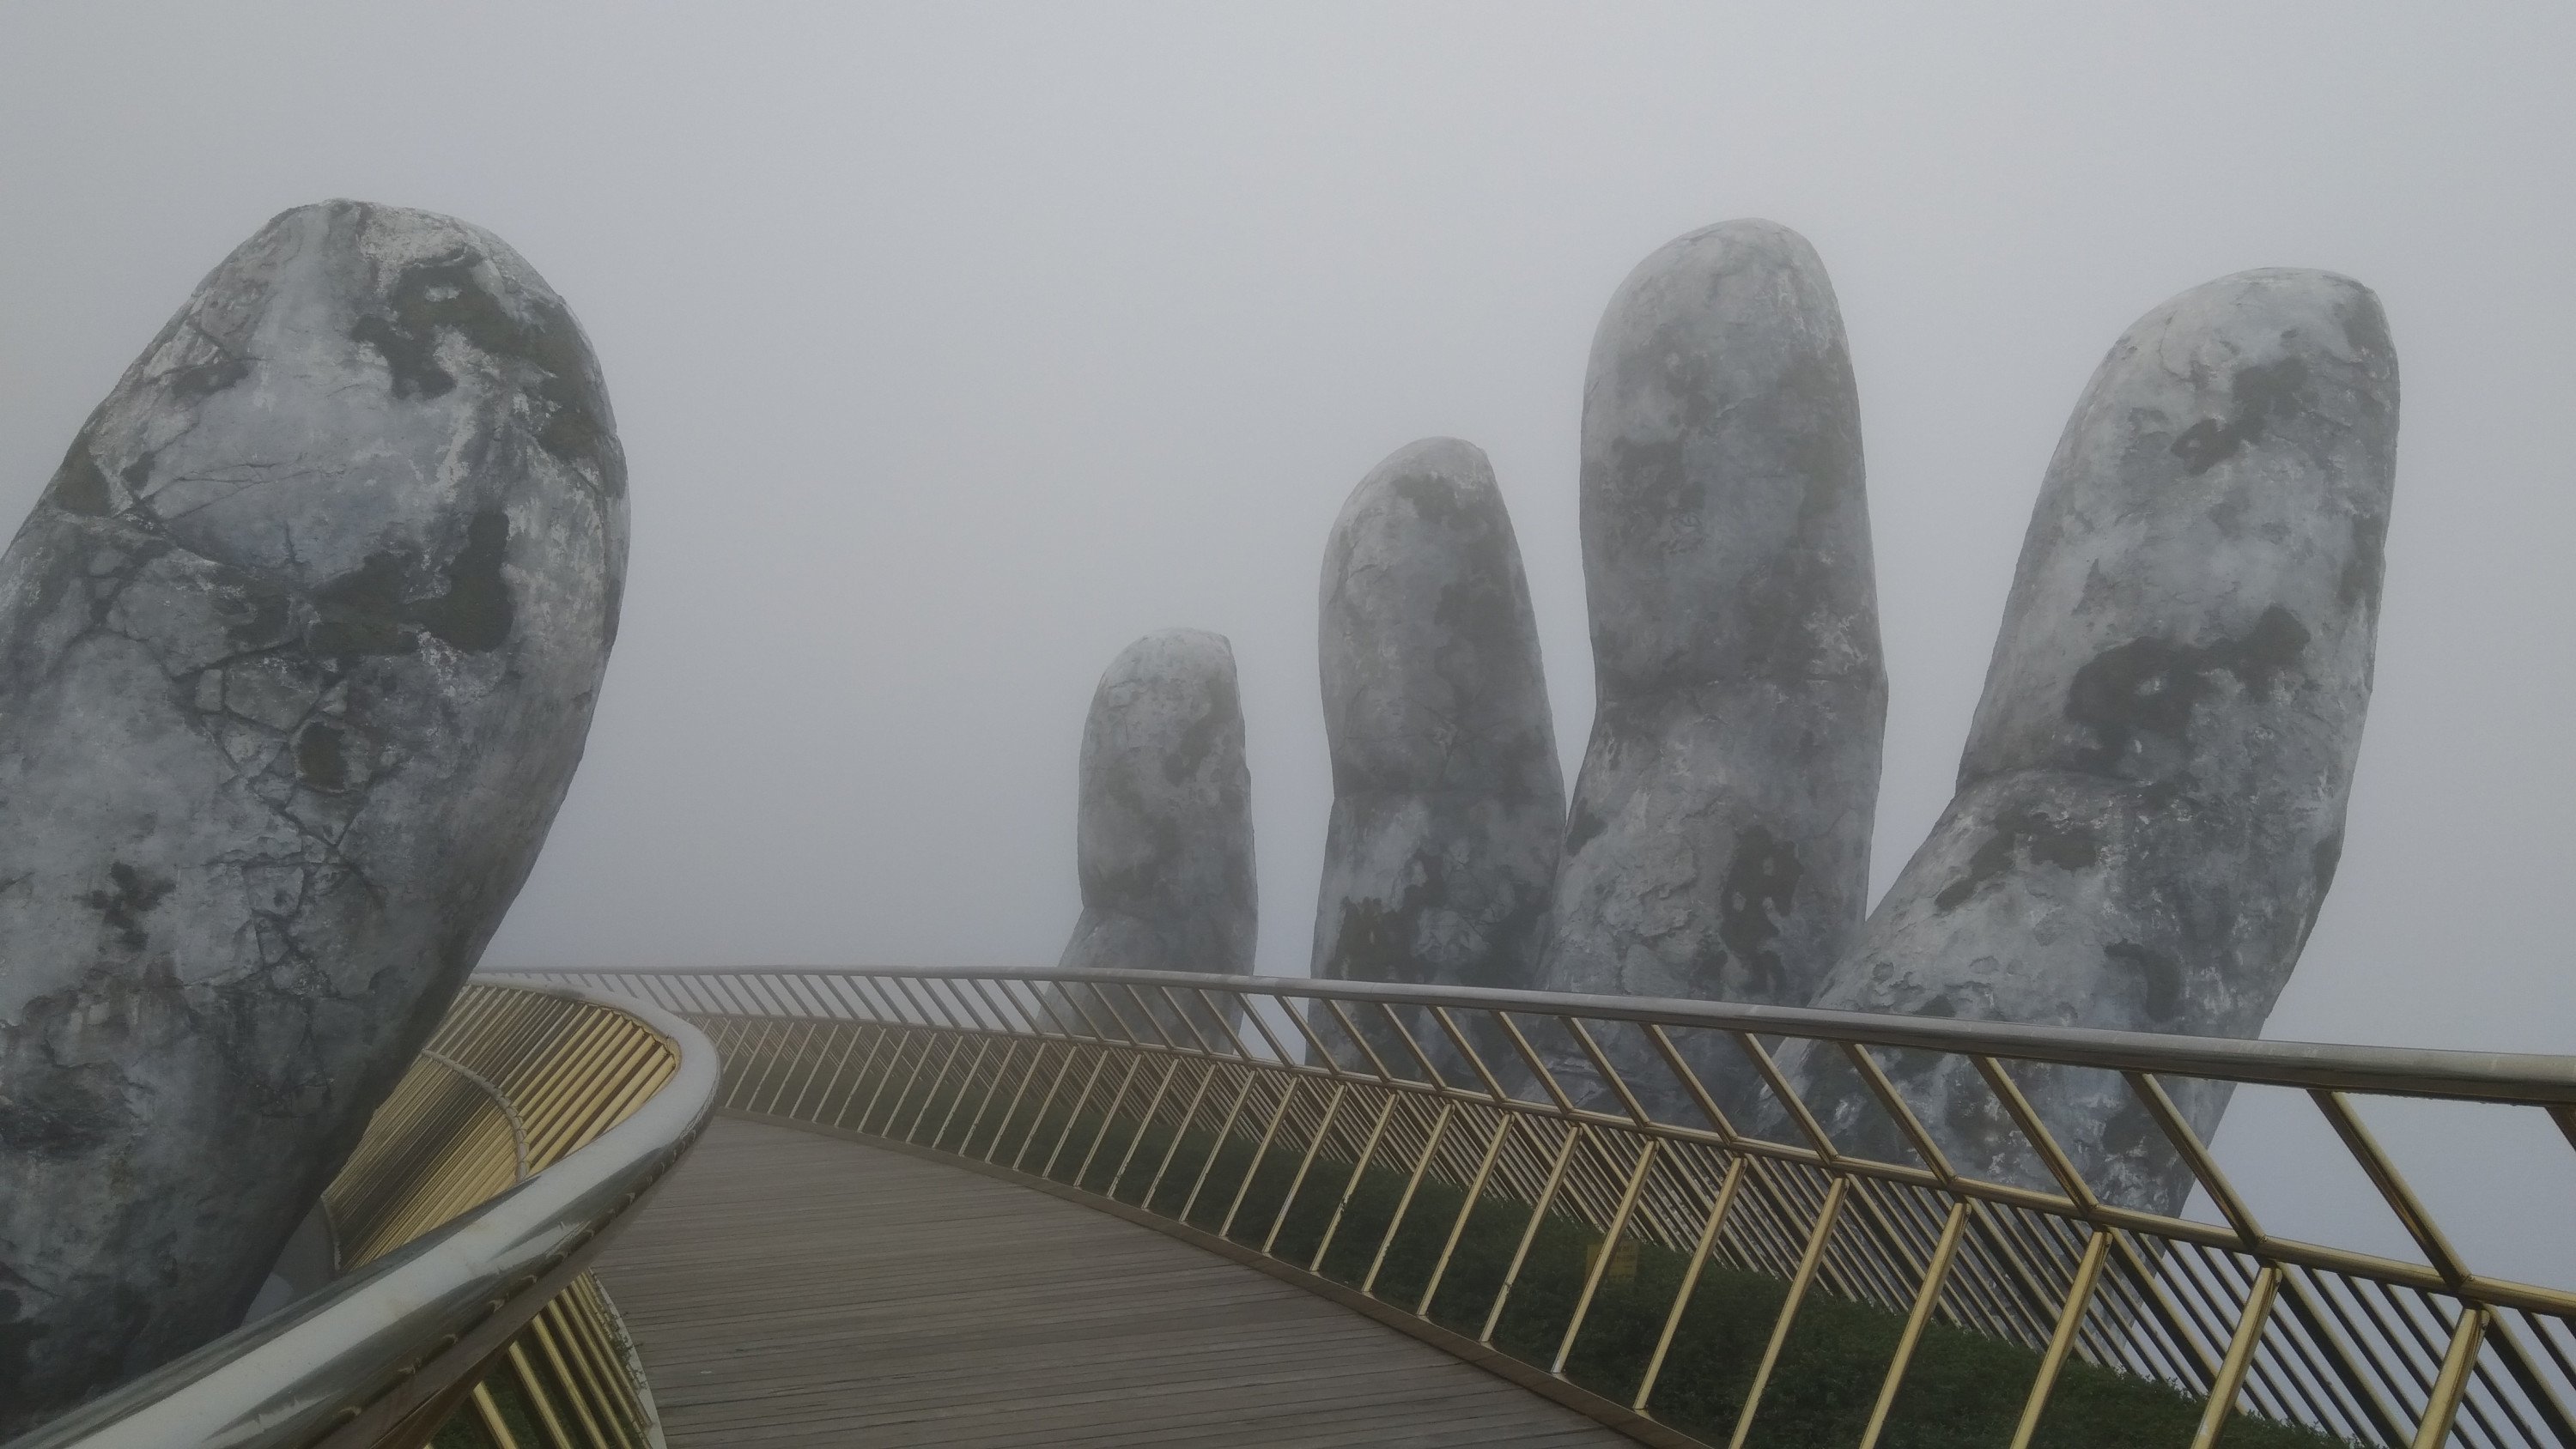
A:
(1786, 1095)
(1530, 1058)
(2392, 1187)
(1827, 1214)
(1475, 1059)
(2025, 1120)
(1610, 1075)
(1567, 1145)
(1359, 1042)
(1690, 1083)
(1566, 1215)
(1944, 1252)
(2079, 1301)
(1431, 1073)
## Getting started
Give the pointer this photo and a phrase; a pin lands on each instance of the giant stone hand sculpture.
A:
(1719, 841)
(1448, 803)
(2151, 802)
(1164, 837)
(297, 655)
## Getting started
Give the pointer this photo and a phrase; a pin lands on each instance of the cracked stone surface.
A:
(1718, 845)
(1165, 825)
(2151, 802)
(297, 655)
(1448, 803)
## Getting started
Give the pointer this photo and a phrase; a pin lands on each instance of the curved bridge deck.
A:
(791, 1288)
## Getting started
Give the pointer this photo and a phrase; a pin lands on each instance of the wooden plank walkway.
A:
(789, 1288)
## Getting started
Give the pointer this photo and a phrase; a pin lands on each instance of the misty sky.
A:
(953, 347)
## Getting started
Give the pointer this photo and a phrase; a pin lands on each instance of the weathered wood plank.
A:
(788, 1288)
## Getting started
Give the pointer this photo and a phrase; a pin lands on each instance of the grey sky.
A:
(953, 347)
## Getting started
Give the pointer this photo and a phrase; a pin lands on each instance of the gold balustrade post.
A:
(1574, 1133)
(1208, 1073)
(1019, 1094)
(539, 1401)
(1798, 1285)
(1109, 1116)
(1144, 1125)
(1710, 1230)
(1002, 1072)
(1609, 1242)
(488, 1413)
(1073, 1109)
(2221, 1403)
(1953, 1227)
(1359, 1169)
(1252, 1169)
(2079, 1297)
(1466, 1209)
(2443, 1405)
(1305, 1163)
(1412, 1184)
(1073, 1050)
(983, 1048)
(904, 1039)
(1252, 1077)
(849, 1043)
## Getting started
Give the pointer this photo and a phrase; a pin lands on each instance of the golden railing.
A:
(1507, 1175)
(533, 1123)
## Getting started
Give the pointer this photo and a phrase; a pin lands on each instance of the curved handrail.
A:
(370, 1350)
(2484, 1076)
(1294, 1123)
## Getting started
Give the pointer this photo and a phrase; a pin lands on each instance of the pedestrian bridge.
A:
(893, 1207)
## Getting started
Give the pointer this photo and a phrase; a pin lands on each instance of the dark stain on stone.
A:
(1189, 751)
(80, 485)
(362, 610)
(254, 612)
(2323, 858)
(204, 379)
(1585, 824)
(64, 1112)
(2150, 686)
(2254, 396)
(2365, 326)
(1431, 498)
(447, 295)
(475, 613)
(321, 756)
(2158, 975)
(2368, 561)
(133, 898)
(1654, 489)
(17, 1336)
(365, 611)
(2127, 1131)
(2041, 838)
(428, 298)
(1759, 891)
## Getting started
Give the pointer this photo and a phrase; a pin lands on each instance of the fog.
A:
(954, 347)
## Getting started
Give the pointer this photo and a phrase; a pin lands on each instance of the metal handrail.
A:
(379, 1356)
(1128, 1090)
